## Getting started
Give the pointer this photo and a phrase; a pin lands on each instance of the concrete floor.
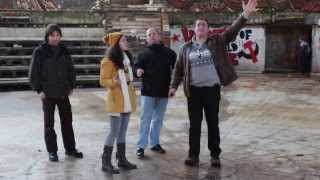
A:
(270, 128)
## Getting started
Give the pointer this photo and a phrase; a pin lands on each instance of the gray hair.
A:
(153, 29)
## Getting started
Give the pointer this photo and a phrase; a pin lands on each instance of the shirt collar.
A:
(198, 45)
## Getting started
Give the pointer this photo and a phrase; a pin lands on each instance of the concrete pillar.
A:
(315, 68)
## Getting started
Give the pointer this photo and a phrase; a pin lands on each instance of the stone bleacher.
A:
(16, 51)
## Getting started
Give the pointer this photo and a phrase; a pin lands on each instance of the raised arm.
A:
(231, 32)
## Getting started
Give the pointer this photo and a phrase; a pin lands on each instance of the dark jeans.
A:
(207, 99)
(65, 114)
(305, 66)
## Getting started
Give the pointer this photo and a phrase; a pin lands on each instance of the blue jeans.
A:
(152, 113)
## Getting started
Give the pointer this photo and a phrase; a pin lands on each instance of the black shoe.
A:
(215, 162)
(53, 156)
(75, 153)
(140, 152)
(191, 161)
(158, 148)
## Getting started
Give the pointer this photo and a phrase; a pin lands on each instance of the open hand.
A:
(172, 92)
(42, 95)
(140, 72)
(250, 7)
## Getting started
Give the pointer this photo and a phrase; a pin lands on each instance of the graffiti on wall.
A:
(244, 47)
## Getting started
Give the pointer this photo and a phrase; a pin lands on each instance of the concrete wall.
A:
(133, 23)
(247, 52)
(316, 50)
(16, 34)
(75, 18)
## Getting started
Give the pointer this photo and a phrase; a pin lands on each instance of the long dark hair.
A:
(116, 56)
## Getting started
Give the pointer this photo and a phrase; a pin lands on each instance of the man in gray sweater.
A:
(203, 66)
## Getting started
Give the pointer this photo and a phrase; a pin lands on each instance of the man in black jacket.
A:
(52, 75)
(155, 64)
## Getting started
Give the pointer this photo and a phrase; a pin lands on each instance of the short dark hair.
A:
(201, 18)
(51, 28)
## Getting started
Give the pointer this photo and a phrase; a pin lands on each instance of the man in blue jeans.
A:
(154, 66)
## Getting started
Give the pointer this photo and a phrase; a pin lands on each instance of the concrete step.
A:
(24, 60)
(22, 42)
(25, 80)
(81, 50)
(32, 48)
(77, 66)
(69, 34)
(76, 56)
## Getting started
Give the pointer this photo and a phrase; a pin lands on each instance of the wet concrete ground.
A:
(270, 128)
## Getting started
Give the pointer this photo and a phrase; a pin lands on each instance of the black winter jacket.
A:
(157, 61)
(52, 73)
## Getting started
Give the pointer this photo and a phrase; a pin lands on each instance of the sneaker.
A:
(215, 162)
(140, 152)
(158, 148)
(191, 161)
(75, 153)
(53, 156)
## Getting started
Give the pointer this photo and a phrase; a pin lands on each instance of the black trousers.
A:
(65, 113)
(204, 99)
(305, 66)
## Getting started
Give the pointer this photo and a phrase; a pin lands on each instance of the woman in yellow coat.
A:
(116, 76)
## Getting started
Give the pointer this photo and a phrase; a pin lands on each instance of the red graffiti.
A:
(175, 37)
(187, 34)
(245, 47)
(216, 31)
(248, 45)
(233, 58)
